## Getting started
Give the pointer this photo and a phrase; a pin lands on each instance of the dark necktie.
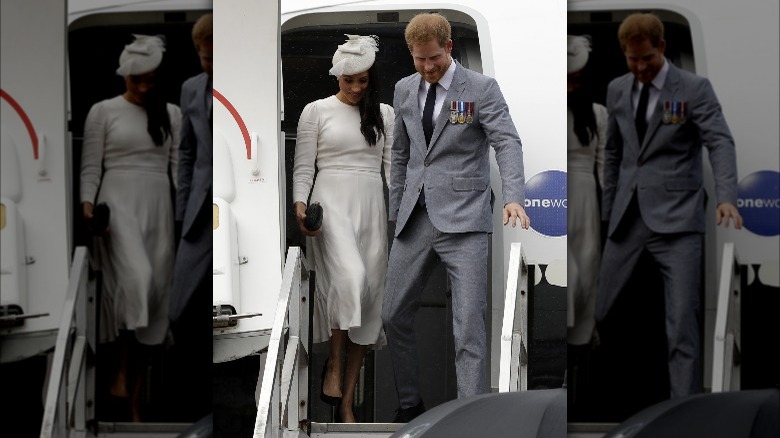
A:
(641, 112)
(427, 122)
(427, 119)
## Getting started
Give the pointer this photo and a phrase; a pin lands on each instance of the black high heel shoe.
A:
(333, 401)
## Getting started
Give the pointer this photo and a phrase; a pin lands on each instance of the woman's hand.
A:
(88, 211)
(86, 208)
(300, 215)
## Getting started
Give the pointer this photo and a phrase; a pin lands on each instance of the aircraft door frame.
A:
(247, 134)
(33, 114)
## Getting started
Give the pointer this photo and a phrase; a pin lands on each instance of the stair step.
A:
(351, 430)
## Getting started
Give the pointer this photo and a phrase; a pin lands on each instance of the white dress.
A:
(121, 166)
(584, 227)
(350, 253)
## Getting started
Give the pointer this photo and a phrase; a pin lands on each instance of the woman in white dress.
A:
(130, 142)
(586, 138)
(348, 137)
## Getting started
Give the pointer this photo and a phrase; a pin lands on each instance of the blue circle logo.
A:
(546, 203)
(758, 201)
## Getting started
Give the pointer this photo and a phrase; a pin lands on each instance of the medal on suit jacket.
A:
(666, 117)
(461, 111)
(675, 111)
(469, 112)
(454, 111)
(682, 112)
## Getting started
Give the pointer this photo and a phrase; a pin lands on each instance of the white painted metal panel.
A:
(33, 116)
(246, 114)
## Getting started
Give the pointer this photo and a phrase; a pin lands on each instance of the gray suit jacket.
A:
(665, 171)
(193, 196)
(455, 169)
(195, 152)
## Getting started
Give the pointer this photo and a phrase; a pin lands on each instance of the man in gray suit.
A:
(660, 117)
(190, 307)
(446, 117)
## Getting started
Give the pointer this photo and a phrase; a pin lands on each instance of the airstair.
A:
(283, 400)
(69, 410)
(727, 340)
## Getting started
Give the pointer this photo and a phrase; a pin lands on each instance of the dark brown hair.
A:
(371, 123)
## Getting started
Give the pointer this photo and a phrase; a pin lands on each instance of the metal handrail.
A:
(513, 363)
(283, 399)
(70, 383)
(727, 339)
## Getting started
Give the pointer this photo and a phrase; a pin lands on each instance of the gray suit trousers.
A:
(414, 253)
(678, 256)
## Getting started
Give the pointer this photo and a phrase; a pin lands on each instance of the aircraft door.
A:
(308, 42)
(35, 185)
(248, 176)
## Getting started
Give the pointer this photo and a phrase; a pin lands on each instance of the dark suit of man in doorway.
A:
(190, 308)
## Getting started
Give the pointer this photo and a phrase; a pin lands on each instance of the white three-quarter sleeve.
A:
(92, 150)
(305, 153)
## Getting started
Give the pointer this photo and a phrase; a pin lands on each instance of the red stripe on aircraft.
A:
(239, 121)
(27, 123)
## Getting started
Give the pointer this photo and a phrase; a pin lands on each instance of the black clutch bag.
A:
(313, 219)
(100, 216)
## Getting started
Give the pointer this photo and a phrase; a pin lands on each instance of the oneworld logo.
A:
(759, 202)
(546, 202)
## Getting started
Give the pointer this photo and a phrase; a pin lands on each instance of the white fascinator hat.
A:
(141, 56)
(577, 53)
(355, 56)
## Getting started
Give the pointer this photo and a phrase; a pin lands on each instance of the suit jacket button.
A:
(427, 163)
(418, 189)
(640, 162)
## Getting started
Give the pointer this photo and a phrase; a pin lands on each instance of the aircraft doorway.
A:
(94, 44)
(308, 43)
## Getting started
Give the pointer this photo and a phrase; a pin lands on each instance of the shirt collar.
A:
(446, 80)
(660, 78)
